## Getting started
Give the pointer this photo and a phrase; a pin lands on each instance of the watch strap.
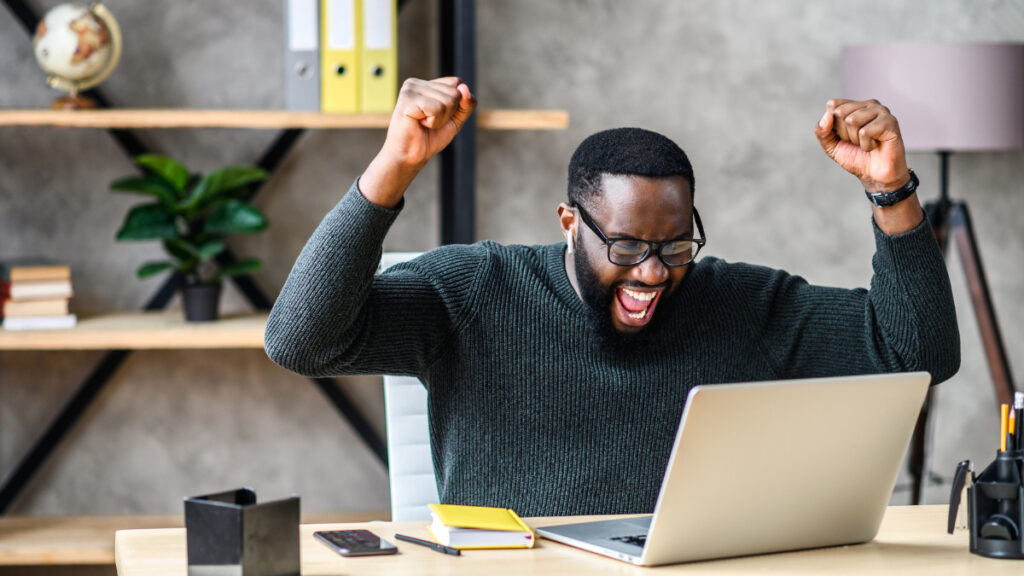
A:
(883, 199)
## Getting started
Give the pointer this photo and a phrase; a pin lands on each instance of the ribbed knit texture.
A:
(525, 410)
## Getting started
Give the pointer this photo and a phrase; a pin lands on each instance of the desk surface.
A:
(912, 541)
(89, 540)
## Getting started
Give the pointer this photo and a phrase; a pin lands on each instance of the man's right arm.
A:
(332, 317)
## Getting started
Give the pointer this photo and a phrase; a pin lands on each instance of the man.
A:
(557, 374)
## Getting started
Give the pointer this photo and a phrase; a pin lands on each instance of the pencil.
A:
(1004, 417)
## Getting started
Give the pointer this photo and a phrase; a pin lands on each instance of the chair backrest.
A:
(410, 467)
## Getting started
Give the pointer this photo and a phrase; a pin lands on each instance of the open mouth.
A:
(635, 307)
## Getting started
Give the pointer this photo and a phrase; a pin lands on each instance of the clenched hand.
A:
(427, 116)
(864, 138)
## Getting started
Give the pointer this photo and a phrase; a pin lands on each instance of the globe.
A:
(78, 46)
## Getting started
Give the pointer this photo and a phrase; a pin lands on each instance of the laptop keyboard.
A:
(638, 540)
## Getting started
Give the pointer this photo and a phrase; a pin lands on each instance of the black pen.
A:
(432, 545)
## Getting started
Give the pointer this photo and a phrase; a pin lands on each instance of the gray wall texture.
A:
(738, 83)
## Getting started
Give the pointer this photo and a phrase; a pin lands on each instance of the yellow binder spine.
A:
(379, 56)
(340, 41)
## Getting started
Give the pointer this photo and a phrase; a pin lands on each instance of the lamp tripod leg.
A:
(981, 300)
(951, 219)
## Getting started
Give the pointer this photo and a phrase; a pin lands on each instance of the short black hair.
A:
(629, 151)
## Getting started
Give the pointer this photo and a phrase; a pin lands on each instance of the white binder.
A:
(302, 54)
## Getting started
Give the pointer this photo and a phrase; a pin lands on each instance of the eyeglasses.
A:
(632, 251)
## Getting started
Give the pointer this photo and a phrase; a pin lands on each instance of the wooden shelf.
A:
(261, 119)
(143, 331)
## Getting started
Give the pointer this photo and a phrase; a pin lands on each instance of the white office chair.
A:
(410, 466)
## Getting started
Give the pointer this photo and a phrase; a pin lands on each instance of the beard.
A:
(599, 299)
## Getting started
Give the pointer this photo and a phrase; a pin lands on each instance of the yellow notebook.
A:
(476, 527)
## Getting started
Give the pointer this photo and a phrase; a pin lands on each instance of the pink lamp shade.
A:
(947, 97)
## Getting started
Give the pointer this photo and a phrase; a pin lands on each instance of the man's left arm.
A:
(910, 306)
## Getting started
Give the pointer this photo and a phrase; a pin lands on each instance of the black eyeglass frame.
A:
(652, 247)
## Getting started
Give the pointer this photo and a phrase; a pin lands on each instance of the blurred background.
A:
(739, 84)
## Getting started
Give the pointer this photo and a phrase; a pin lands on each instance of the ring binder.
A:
(379, 56)
(339, 55)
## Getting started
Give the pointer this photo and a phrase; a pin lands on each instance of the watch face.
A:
(884, 199)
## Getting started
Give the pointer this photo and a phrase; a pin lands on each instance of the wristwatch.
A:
(884, 199)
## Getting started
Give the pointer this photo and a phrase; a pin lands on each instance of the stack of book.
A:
(474, 527)
(34, 295)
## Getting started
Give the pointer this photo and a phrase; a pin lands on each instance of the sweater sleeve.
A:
(905, 322)
(336, 316)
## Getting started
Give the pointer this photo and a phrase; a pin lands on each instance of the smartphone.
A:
(355, 542)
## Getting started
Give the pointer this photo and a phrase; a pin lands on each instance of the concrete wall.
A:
(739, 84)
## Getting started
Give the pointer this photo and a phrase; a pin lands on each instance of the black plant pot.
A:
(201, 301)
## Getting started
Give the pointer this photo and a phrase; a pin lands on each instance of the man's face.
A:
(627, 299)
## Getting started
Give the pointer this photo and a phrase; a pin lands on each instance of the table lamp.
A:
(949, 97)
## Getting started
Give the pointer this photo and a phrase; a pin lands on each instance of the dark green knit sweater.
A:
(525, 410)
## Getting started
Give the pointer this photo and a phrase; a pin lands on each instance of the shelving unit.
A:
(121, 333)
(138, 118)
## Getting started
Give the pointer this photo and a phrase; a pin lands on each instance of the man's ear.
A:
(567, 219)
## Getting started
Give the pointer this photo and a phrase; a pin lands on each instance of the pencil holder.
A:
(229, 534)
(995, 506)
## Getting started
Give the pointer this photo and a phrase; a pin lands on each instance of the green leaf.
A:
(217, 184)
(150, 268)
(180, 249)
(170, 170)
(148, 222)
(210, 250)
(234, 177)
(235, 217)
(238, 268)
(149, 184)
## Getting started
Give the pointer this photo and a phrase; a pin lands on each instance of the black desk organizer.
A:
(229, 534)
(995, 506)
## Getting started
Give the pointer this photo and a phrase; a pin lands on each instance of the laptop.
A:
(770, 467)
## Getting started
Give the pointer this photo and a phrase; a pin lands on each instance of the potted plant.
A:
(192, 215)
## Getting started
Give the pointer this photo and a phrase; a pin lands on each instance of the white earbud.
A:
(569, 242)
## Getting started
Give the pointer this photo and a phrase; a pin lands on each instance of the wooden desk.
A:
(912, 541)
(89, 540)
(50, 540)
